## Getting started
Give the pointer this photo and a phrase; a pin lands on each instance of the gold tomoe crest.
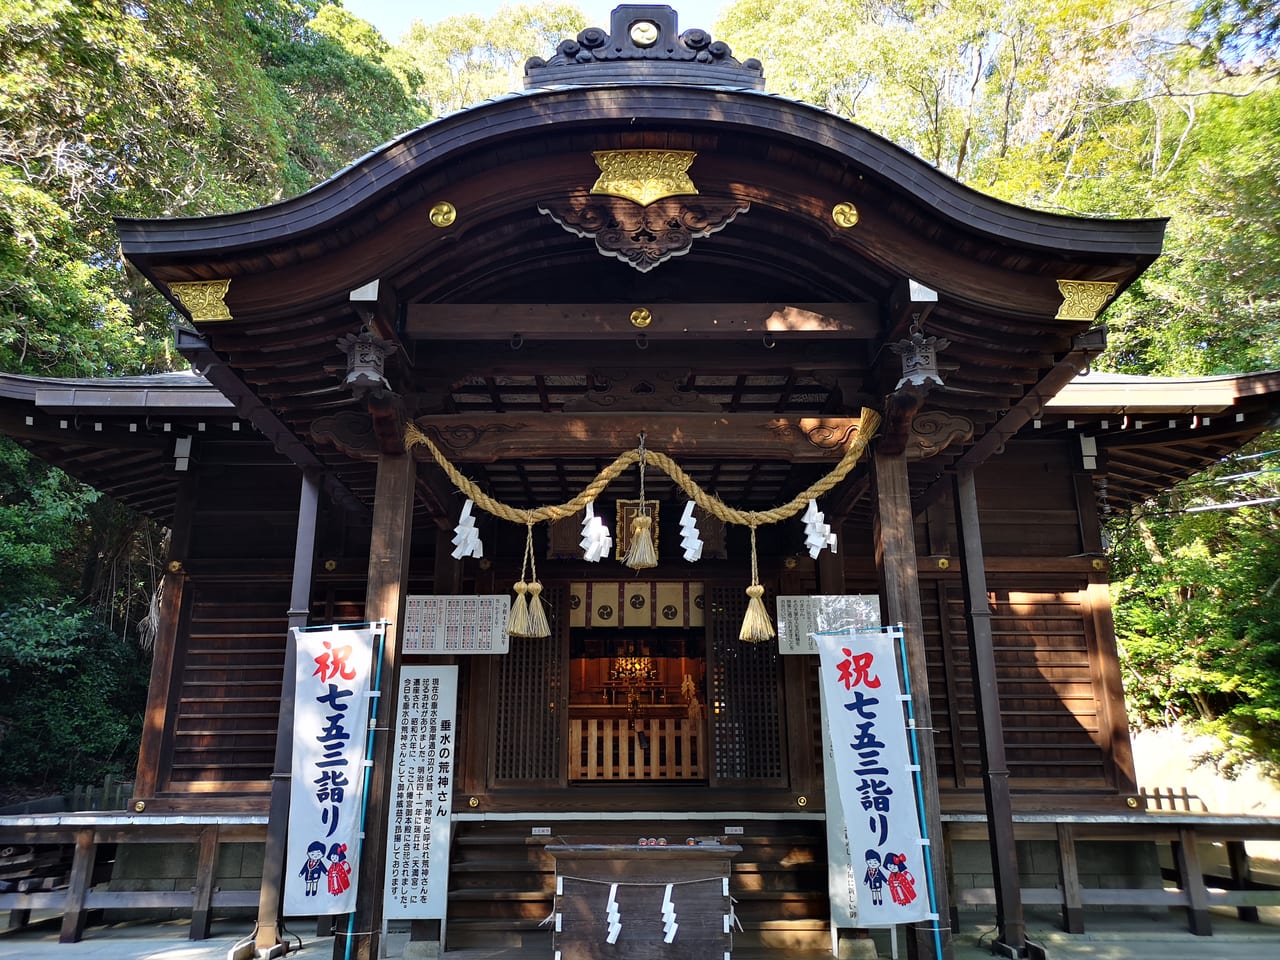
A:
(644, 175)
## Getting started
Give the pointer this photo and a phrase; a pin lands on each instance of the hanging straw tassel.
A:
(518, 621)
(538, 625)
(756, 625)
(641, 553)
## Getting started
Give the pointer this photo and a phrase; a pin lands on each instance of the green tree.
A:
(465, 59)
(1199, 617)
(139, 108)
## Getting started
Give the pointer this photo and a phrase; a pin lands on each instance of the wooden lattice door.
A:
(527, 707)
(745, 714)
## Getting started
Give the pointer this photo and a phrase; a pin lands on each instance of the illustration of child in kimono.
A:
(874, 878)
(902, 885)
(339, 869)
(314, 867)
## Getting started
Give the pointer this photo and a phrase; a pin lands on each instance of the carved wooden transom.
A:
(640, 236)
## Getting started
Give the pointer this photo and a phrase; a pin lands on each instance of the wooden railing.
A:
(78, 893)
(1184, 832)
(659, 748)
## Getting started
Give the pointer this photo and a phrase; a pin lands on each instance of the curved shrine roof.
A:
(781, 251)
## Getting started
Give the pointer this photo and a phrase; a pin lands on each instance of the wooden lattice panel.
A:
(744, 711)
(527, 704)
(651, 748)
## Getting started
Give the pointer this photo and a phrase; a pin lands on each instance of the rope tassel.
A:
(528, 617)
(756, 625)
(641, 553)
(518, 621)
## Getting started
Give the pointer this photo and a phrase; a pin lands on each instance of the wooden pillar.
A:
(271, 893)
(160, 689)
(1011, 928)
(1100, 631)
(206, 867)
(74, 913)
(1241, 876)
(896, 558)
(1186, 859)
(384, 598)
(1069, 878)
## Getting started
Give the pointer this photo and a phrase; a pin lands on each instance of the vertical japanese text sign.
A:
(330, 726)
(421, 799)
(865, 721)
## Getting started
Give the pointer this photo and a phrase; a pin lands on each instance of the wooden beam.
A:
(384, 598)
(271, 893)
(451, 362)
(896, 558)
(666, 321)
(488, 438)
(1011, 926)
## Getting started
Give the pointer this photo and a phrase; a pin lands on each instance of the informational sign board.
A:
(800, 617)
(330, 729)
(417, 878)
(863, 715)
(456, 624)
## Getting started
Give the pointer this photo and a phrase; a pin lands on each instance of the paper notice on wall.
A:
(798, 617)
(456, 624)
(421, 797)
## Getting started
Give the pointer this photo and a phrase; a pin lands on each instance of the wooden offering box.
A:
(669, 902)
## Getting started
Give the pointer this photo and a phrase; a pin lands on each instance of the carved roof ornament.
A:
(644, 175)
(642, 236)
(1084, 299)
(644, 43)
(204, 299)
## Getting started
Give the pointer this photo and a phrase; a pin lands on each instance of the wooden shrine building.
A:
(643, 241)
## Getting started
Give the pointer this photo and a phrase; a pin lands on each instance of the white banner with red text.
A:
(862, 709)
(330, 729)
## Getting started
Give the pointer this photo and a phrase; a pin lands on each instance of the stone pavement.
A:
(1112, 936)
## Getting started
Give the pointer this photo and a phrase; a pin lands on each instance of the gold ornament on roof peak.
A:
(1084, 299)
(203, 299)
(644, 175)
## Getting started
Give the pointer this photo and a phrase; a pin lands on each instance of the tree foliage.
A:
(1115, 108)
(1199, 621)
(141, 108)
(464, 59)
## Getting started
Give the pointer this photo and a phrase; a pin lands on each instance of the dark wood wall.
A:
(215, 705)
(1062, 708)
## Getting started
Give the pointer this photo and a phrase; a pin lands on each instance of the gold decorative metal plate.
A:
(1084, 299)
(644, 175)
(203, 299)
(845, 215)
(443, 214)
